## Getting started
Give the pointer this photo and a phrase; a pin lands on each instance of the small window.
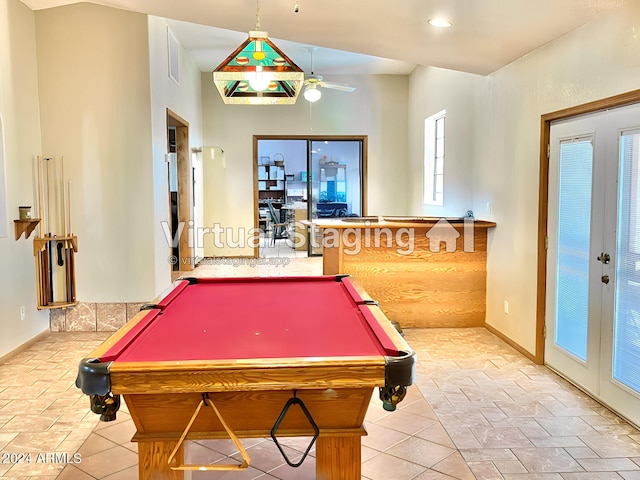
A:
(434, 159)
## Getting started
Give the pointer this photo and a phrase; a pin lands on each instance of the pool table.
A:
(248, 346)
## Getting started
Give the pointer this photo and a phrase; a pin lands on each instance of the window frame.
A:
(434, 159)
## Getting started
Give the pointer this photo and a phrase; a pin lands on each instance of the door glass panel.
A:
(574, 225)
(626, 348)
(336, 182)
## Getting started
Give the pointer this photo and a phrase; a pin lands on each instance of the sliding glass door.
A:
(335, 182)
(308, 177)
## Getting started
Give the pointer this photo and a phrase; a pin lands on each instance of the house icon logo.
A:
(442, 231)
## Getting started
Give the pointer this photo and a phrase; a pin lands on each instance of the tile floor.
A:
(478, 409)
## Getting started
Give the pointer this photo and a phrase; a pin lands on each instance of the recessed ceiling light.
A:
(439, 22)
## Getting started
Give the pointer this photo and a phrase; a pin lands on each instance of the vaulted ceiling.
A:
(371, 36)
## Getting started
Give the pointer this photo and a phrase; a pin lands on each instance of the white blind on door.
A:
(626, 348)
(573, 243)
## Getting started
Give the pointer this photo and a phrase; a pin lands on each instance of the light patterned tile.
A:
(487, 454)
(509, 466)
(406, 422)
(630, 475)
(36, 442)
(612, 446)
(420, 451)
(591, 476)
(533, 476)
(384, 466)
(564, 442)
(81, 318)
(108, 462)
(485, 470)
(110, 316)
(454, 466)
(541, 460)
(468, 383)
(130, 473)
(508, 437)
(462, 437)
(381, 438)
(119, 433)
(581, 452)
(436, 434)
(562, 426)
(71, 472)
(607, 464)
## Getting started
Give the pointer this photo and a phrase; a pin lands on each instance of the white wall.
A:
(183, 99)
(21, 124)
(378, 108)
(595, 61)
(93, 74)
(492, 146)
(432, 90)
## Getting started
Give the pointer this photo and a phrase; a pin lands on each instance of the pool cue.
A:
(40, 210)
(44, 282)
(68, 244)
(49, 234)
(61, 227)
(70, 264)
(34, 187)
(38, 255)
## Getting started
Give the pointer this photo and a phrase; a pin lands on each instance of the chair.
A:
(278, 227)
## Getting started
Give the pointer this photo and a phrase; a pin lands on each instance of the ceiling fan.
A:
(313, 83)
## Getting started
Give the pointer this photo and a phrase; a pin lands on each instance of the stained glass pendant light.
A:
(258, 73)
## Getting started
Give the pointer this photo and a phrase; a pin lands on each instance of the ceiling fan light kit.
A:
(312, 93)
(313, 83)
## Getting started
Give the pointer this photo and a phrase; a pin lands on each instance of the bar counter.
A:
(424, 271)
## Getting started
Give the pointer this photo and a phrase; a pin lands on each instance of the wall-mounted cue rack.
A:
(55, 246)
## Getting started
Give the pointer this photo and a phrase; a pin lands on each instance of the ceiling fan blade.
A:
(338, 86)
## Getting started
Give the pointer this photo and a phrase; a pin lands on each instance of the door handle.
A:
(604, 258)
(605, 279)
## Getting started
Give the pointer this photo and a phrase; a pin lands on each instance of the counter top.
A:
(392, 222)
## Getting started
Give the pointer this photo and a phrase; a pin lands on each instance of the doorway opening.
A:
(299, 178)
(180, 189)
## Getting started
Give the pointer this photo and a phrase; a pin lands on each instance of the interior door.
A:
(593, 299)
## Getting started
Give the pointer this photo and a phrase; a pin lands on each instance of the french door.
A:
(593, 258)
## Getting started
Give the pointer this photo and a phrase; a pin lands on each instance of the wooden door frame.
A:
(185, 187)
(256, 138)
(628, 98)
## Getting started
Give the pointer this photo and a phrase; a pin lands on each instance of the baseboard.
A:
(513, 344)
(24, 346)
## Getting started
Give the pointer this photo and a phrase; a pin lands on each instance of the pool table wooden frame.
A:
(250, 394)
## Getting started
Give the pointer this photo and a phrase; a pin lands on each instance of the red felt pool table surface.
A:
(247, 346)
(250, 318)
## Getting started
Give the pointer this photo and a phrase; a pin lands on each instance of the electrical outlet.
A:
(23, 313)
(506, 307)
(489, 208)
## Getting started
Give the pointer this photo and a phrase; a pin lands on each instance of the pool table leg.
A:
(338, 457)
(152, 461)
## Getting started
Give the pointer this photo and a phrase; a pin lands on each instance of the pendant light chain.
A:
(258, 15)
